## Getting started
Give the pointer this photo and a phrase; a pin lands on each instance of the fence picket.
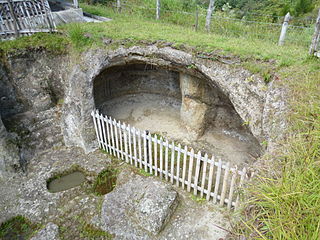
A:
(121, 140)
(161, 158)
(224, 185)
(140, 149)
(135, 146)
(130, 144)
(112, 137)
(104, 134)
(99, 129)
(116, 135)
(166, 159)
(197, 173)
(172, 163)
(145, 162)
(184, 168)
(244, 172)
(125, 143)
(190, 170)
(156, 154)
(204, 173)
(232, 184)
(216, 186)
(150, 151)
(178, 165)
(96, 127)
(210, 179)
(105, 119)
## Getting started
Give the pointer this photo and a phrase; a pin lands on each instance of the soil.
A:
(161, 115)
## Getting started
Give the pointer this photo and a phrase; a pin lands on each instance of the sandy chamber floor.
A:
(160, 114)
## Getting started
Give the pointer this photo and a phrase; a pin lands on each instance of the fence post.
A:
(316, 37)
(119, 6)
(196, 26)
(158, 10)
(284, 29)
(209, 15)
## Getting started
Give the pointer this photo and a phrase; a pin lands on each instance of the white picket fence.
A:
(207, 177)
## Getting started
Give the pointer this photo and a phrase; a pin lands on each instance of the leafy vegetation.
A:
(17, 227)
(54, 43)
(105, 181)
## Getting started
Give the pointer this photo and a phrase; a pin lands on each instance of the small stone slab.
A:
(138, 208)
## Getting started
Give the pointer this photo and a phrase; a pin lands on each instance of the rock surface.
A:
(138, 208)
(50, 232)
(9, 156)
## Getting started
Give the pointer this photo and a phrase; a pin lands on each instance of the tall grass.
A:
(288, 206)
(223, 23)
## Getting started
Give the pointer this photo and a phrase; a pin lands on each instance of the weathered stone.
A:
(9, 155)
(138, 208)
(193, 114)
(50, 232)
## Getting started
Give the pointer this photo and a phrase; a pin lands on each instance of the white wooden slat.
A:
(114, 123)
(135, 146)
(184, 168)
(232, 185)
(197, 173)
(166, 163)
(217, 184)
(161, 158)
(121, 140)
(243, 175)
(150, 152)
(178, 164)
(112, 137)
(210, 178)
(99, 128)
(204, 174)
(106, 120)
(190, 169)
(130, 143)
(104, 134)
(224, 185)
(95, 127)
(140, 149)
(145, 162)
(155, 151)
(172, 163)
(126, 143)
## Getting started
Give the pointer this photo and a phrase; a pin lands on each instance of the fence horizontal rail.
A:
(180, 165)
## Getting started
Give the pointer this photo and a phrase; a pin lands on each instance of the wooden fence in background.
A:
(206, 177)
(24, 17)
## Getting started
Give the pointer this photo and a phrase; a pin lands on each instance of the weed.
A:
(105, 181)
(17, 227)
(144, 173)
(198, 199)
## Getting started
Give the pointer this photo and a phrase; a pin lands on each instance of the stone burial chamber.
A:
(174, 104)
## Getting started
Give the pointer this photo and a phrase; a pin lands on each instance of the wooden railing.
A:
(208, 178)
(24, 17)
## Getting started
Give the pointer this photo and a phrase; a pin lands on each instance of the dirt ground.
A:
(160, 114)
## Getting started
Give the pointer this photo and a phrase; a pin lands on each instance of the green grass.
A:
(54, 43)
(105, 181)
(17, 227)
